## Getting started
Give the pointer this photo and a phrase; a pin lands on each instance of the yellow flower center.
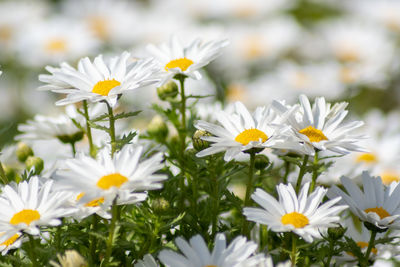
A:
(5, 33)
(236, 92)
(98, 25)
(301, 80)
(367, 158)
(104, 87)
(249, 135)
(390, 176)
(56, 45)
(94, 203)
(110, 180)
(296, 219)
(25, 216)
(10, 241)
(313, 134)
(253, 47)
(182, 63)
(348, 55)
(380, 211)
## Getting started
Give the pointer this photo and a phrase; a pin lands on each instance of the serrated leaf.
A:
(100, 118)
(126, 114)
(99, 127)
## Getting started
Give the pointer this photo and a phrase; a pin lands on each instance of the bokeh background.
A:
(342, 50)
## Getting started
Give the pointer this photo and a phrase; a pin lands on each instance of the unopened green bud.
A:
(198, 143)
(158, 128)
(34, 162)
(336, 233)
(168, 90)
(70, 138)
(174, 140)
(10, 173)
(23, 151)
(261, 162)
(160, 205)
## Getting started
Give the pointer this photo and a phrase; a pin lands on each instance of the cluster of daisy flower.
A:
(272, 174)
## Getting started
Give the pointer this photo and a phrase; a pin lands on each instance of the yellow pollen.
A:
(56, 45)
(25, 216)
(380, 211)
(313, 134)
(390, 176)
(296, 219)
(10, 241)
(110, 180)
(104, 87)
(98, 25)
(94, 203)
(182, 63)
(367, 158)
(249, 135)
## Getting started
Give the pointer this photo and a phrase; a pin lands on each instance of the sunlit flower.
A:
(29, 205)
(100, 181)
(174, 58)
(196, 253)
(301, 214)
(320, 127)
(376, 204)
(97, 81)
(241, 131)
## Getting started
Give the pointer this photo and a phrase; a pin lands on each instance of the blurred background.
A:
(342, 50)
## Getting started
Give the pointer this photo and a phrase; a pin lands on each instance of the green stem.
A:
(32, 252)
(183, 106)
(111, 232)
(216, 198)
(315, 173)
(293, 256)
(249, 189)
(182, 137)
(3, 175)
(73, 149)
(112, 129)
(287, 169)
(93, 240)
(89, 130)
(328, 261)
(301, 173)
(370, 245)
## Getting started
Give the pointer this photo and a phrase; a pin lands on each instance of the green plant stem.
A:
(216, 198)
(93, 239)
(111, 232)
(293, 255)
(31, 253)
(182, 137)
(3, 175)
(111, 129)
(249, 189)
(73, 149)
(315, 173)
(370, 245)
(89, 130)
(287, 170)
(331, 246)
(301, 173)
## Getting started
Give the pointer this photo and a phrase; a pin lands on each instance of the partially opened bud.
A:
(198, 143)
(168, 90)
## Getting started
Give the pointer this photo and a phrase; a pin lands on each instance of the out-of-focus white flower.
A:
(302, 215)
(148, 261)
(71, 258)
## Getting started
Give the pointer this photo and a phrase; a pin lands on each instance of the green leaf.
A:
(126, 139)
(99, 127)
(126, 115)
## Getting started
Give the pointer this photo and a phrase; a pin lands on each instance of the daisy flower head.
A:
(99, 80)
(377, 204)
(320, 127)
(301, 214)
(240, 131)
(27, 206)
(101, 180)
(195, 253)
(174, 58)
(15, 241)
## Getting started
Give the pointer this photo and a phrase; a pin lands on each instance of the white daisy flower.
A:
(319, 127)
(103, 179)
(97, 80)
(376, 204)
(29, 205)
(174, 58)
(241, 131)
(195, 253)
(148, 261)
(302, 215)
(15, 241)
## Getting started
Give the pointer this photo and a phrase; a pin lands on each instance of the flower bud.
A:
(160, 205)
(336, 233)
(198, 143)
(158, 128)
(23, 151)
(261, 162)
(34, 162)
(9, 172)
(168, 90)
